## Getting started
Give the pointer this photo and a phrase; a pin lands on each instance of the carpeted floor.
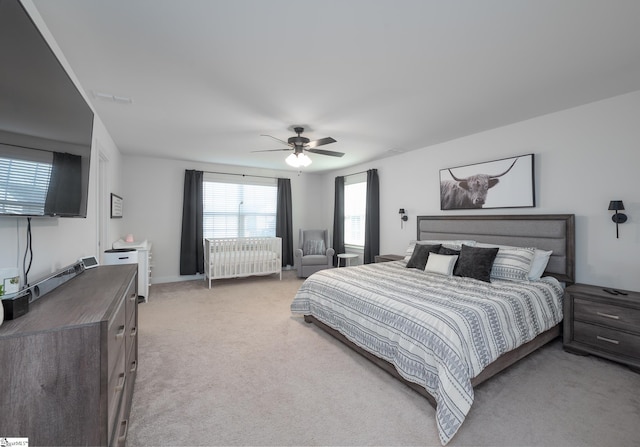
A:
(232, 366)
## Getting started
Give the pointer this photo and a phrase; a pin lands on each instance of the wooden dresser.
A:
(603, 324)
(68, 366)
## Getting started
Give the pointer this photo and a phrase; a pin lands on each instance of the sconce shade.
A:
(616, 205)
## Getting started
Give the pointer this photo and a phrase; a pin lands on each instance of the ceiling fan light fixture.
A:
(299, 160)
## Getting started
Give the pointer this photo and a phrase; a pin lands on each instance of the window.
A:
(24, 183)
(239, 208)
(355, 206)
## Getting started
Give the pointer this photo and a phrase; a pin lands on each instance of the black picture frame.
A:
(116, 206)
(503, 183)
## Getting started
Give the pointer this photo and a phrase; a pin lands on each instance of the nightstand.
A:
(603, 324)
(387, 258)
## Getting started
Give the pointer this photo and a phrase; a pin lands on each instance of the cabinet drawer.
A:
(115, 389)
(606, 339)
(131, 298)
(607, 314)
(116, 336)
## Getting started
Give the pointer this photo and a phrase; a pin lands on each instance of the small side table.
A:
(603, 322)
(388, 258)
(347, 258)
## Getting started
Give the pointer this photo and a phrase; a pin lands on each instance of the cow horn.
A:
(456, 178)
(500, 175)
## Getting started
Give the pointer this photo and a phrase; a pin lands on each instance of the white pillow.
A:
(539, 264)
(441, 264)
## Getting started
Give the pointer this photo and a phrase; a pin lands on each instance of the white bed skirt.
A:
(242, 256)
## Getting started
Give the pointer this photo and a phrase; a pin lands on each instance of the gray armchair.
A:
(313, 252)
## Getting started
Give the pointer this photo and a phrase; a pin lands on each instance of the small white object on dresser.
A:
(143, 249)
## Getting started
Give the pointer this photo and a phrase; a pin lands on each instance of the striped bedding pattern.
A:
(438, 331)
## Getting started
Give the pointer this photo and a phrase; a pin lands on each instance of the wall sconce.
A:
(403, 216)
(618, 218)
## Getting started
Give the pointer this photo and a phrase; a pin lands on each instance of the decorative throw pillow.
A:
(475, 262)
(441, 264)
(313, 247)
(420, 255)
(447, 243)
(539, 264)
(512, 263)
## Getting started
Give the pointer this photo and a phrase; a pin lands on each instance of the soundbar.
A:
(18, 305)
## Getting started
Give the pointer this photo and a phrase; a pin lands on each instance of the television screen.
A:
(45, 125)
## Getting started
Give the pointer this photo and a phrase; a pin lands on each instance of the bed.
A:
(444, 334)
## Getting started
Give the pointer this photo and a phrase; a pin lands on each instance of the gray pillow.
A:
(313, 247)
(420, 255)
(475, 262)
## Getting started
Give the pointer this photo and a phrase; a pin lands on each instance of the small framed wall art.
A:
(505, 183)
(116, 206)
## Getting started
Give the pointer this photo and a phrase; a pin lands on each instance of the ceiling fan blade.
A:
(325, 152)
(320, 142)
(277, 139)
(274, 150)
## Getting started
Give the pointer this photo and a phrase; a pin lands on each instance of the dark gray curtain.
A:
(338, 219)
(284, 226)
(64, 194)
(191, 249)
(372, 219)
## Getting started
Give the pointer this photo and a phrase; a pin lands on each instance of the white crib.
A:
(241, 256)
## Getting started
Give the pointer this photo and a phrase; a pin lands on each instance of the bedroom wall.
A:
(58, 242)
(153, 196)
(584, 157)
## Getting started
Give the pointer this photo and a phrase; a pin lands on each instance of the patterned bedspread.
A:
(437, 331)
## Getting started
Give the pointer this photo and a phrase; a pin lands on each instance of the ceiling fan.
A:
(300, 145)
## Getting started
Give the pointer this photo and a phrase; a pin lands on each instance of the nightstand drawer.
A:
(607, 339)
(606, 314)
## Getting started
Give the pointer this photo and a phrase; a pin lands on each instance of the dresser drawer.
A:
(609, 340)
(116, 336)
(115, 390)
(619, 317)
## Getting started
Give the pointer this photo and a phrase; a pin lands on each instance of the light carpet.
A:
(232, 366)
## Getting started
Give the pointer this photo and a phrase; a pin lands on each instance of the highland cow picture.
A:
(505, 183)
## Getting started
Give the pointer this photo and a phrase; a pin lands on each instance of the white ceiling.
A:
(208, 77)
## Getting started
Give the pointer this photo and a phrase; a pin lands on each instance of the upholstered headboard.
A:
(554, 232)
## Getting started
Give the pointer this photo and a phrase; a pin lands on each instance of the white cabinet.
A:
(142, 257)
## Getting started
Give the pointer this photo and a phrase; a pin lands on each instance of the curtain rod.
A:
(242, 175)
(356, 173)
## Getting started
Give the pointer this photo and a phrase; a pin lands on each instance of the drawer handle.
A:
(124, 426)
(120, 333)
(134, 366)
(133, 297)
(608, 340)
(134, 332)
(613, 317)
(120, 386)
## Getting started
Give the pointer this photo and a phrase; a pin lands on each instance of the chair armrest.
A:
(330, 253)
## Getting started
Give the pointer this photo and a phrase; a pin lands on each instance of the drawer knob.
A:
(120, 386)
(120, 333)
(613, 317)
(608, 340)
(124, 427)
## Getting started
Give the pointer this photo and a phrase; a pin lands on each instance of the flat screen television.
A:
(45, 125)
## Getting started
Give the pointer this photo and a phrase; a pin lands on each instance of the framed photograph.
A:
(116, 206)
(505, 183)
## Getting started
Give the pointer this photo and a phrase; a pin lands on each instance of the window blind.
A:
(23, 186)
(239, 208)
(355, 206)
